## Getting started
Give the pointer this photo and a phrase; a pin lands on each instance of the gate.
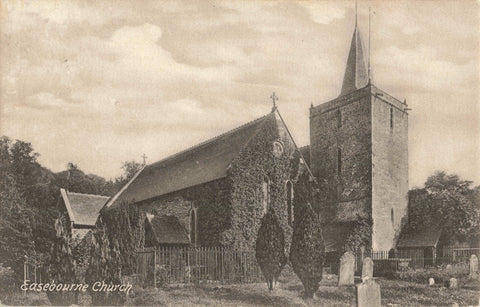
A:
(146, 266)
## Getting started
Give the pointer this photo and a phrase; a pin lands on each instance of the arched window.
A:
(193, 226)
(266, 193)
(289, 187)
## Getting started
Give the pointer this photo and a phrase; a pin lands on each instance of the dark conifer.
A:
(270, 248)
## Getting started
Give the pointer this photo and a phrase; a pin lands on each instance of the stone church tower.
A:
(359, 152)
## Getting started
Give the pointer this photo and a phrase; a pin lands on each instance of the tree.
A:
(449, 201)
(60, 265)
(307, 252)
(270, 248)
(15, 231)
(105, 265)
(130, 168)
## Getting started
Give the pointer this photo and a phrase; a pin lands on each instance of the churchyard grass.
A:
(289, 293)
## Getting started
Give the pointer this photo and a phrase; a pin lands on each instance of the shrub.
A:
(61, 267)
(270, 248)
(308, 251)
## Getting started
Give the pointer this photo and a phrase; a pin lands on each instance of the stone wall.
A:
(389, 168)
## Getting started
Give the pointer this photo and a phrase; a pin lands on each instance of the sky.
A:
(97, 83)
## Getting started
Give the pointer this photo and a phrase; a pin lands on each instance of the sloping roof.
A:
(356, 74)
(168, 230)
(335, 235)
(83, 209)
(202, 163)
(305, 151)
(423, 237)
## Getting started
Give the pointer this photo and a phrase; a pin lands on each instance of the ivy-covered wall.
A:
(247, 174)
(341, 159)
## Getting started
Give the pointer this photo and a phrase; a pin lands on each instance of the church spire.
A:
(356, 75)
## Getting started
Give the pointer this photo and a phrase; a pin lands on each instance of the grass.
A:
(413, 292)
(288, 293)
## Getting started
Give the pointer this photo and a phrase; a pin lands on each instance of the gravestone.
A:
(367, 268)
(346, 271)
(452, 283)
(473, 266)
(368, 294)
(448, 267)
(431, 281)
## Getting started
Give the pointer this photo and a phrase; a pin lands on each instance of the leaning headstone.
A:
(367, 268)
(431, 281)
(368, 294)
(452, 283)
(473, 265)
(346, 271)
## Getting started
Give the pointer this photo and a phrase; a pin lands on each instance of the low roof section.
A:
(425, 236)
(83, 209)
(167, 229)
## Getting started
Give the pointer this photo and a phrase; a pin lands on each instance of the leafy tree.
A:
(307, 252)
(270, 248)
(15, 230)
(130, 168)
(448, 201)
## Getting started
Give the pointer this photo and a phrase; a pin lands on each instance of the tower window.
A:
(339, 161)
(391, 118)
(266, 194)
(193, 226)
(339, 118)
(289, 187)
(392, 217)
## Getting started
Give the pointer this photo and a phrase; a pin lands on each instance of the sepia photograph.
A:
(239, 153)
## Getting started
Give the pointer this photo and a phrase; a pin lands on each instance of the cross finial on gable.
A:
(144, 159)
(274, 100)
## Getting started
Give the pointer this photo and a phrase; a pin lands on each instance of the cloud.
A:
(45, 100)
(105, 82)
(323, 12)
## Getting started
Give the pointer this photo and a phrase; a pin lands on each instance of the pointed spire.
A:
(356, 75)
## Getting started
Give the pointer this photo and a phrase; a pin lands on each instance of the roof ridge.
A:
(209, 140)
(86, 194)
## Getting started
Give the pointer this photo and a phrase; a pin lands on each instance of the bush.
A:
(270, 248)
(308, 251)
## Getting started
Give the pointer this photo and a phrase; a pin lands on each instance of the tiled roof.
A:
(168, 230)
(202, 163)
(83, 209)
(423, 237)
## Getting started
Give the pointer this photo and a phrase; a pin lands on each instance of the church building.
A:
(216, 193)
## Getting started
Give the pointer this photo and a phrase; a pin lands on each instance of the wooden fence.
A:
(457, 255)
(163, 265)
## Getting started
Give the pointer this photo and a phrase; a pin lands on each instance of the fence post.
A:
(155, 267)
